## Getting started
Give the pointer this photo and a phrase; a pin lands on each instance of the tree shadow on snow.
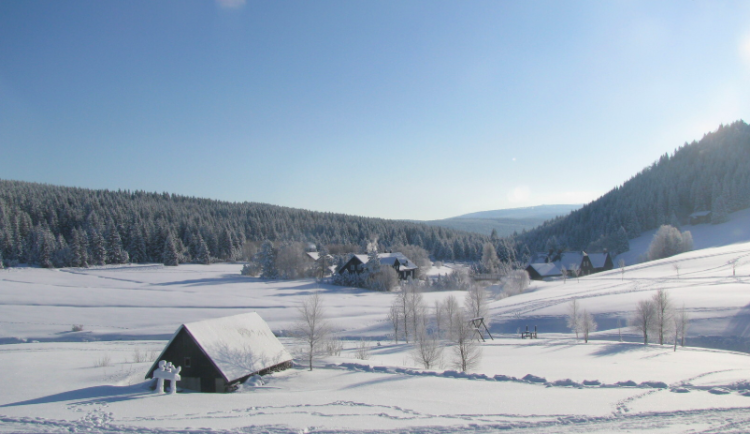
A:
(388, 379)
(89, 394)
(618, 348)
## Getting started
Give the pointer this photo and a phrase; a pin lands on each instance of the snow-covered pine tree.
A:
(203, 256)
(115, 252)
(98, 248)
(490, 261)
(170, 257)
(719, 211)
(266, 259)
(137, 247)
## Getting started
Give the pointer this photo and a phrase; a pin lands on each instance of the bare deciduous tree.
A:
(427, 348)
(663, 308)
(312, 326)
(644, 318)
(681, 321)
(450, 312)
(588, 325)
(477, 303)
(466, 351)
(621, 264)
(574, 317)
(394, 316)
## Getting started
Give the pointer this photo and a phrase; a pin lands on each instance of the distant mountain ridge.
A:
(543, 212)
(504, 221)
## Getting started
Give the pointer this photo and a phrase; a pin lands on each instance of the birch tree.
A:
(588, 325)
(663, 309)
(466, 351)
(312, 326)
(644, 318)
(574, 317)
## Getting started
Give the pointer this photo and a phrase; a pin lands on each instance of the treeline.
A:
(710, 175)
(54, 226)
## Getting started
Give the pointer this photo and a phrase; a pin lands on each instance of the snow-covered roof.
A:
(313, 255)
(390, 259)
(546, 269)
(538, 258)
(570, 260)
(700, 214)
(238, 345)
(598, 259)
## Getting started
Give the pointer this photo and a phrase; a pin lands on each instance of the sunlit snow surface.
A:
(92, 381)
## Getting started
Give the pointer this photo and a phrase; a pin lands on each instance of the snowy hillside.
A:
(735, 230)
(92, 380)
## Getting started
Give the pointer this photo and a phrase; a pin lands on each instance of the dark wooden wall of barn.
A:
(184, 346)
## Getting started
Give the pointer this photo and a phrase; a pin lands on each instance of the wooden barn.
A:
(699, 217)
(218, 354)
(403, 266)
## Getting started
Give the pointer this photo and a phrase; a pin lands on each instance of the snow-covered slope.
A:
(549, 385)
(735, 230)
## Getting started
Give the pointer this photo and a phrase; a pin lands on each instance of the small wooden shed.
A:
(218, 354)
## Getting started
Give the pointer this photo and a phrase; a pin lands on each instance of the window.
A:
(187, 362)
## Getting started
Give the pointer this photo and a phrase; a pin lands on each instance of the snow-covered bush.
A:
(516, 282)
(668, 241)
(250, 269)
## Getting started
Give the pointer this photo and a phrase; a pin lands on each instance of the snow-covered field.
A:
(56, 380)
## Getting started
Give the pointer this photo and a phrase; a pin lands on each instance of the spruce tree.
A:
(266, 259)
(115, 252)
(98, 248)
(169, 254)
(203, 256)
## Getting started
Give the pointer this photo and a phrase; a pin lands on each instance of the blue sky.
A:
(395, 109)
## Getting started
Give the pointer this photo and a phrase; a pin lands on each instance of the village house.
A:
(601, 261)
(575, 263)
(543, 270)
(216, 355)
(403, 266)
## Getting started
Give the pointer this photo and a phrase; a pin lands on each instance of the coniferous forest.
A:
(712, 174)
(53, 226)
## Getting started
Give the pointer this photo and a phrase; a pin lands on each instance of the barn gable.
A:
(219, 352)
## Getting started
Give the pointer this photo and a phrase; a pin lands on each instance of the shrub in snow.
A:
(333, 346)
(363, 350)
(77, 327)
(679, 390)
(534, 379)
(504, 378)
(629, 383)
(719, 391)
(591, 383)
(654, 384)
(566, 383)
(250, 269)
